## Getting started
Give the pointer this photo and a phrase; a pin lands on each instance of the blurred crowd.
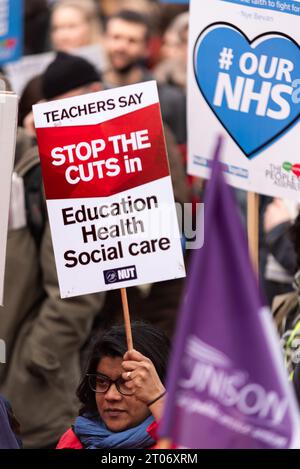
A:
(96, 45)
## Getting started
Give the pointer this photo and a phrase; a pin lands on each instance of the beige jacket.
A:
(43, 334)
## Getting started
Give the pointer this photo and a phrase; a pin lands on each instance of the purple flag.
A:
(227, 386)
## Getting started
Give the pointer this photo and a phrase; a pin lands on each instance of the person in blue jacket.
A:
(8, 427)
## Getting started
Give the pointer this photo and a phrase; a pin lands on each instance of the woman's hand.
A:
(141, 376)
(275, 214)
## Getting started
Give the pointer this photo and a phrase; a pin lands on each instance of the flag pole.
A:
(126, 315)
(253, 227)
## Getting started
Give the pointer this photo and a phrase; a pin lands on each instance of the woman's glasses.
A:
(101, 383)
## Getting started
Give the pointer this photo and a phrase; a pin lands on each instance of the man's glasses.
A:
(101, 383)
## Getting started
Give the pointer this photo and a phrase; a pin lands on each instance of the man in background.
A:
(127, 36)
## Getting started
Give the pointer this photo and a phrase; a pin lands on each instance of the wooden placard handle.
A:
(253, 227)
(126, 319)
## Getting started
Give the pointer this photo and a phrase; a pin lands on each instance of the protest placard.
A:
(23, 70)
(244, 77)
(11, 30)
(108, 189)
(8, 128)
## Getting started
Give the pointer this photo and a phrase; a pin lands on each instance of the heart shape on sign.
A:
(249, 85)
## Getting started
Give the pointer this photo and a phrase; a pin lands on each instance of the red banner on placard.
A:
(137, 167)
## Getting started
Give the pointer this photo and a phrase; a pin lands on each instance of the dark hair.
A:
(295, 237)
(131, 17)
(36, 25)
(31, 95)
(147, 339)
(66, 73)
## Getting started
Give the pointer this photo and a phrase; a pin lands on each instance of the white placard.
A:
(108, 188)
(23, 70)
(8, 129)
(244, 83)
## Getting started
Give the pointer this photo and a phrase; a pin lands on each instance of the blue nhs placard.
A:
(175, 1)
(11, 30)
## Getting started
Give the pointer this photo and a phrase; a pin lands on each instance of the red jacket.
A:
(70, 441)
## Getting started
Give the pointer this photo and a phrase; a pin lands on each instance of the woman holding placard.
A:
(122, 392)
